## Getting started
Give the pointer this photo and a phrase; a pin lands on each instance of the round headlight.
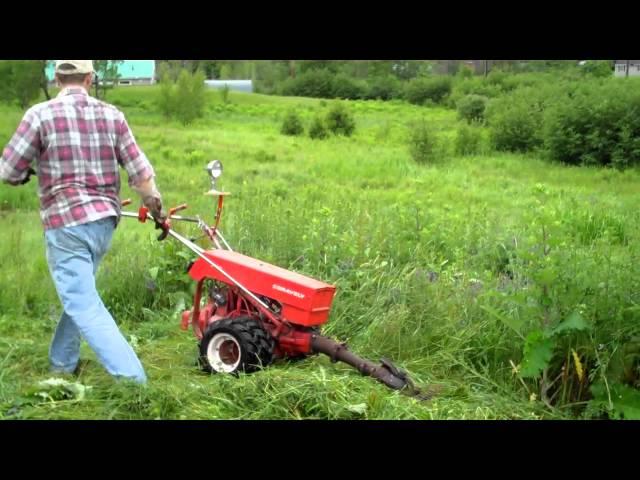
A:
(215, 169)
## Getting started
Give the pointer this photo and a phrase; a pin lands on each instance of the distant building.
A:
(621, 68)
(131, 72)
(237, 85)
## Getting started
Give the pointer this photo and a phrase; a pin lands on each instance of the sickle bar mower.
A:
(247, 313)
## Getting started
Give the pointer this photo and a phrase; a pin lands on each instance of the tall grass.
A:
(429, 262)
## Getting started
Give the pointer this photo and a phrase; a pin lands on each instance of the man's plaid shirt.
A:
(75, 143)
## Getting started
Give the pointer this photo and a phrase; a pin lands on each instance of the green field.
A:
(438, 267)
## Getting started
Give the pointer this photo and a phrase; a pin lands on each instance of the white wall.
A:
(621, 69)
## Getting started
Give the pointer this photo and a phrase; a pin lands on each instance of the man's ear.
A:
(88, 81)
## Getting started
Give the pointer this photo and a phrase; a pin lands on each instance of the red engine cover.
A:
(304, 301)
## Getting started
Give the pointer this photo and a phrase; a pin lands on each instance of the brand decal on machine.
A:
(286, 290)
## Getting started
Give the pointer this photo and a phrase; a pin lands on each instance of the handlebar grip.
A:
(165, 229)
(177, 209)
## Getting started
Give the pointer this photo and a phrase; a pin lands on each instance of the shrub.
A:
(166, 97)
(473, 86)
(384, 88)
(468, 140)
(516, 119)
(496, 77)
(515, 128)
(598, 125)
(472, 107)
(597, 68)
(190, 96)
(347, 87)
(318, 129)
(423, 144)
(224, 93)
(340, 121)
(313, 83)
(292, 125)
(464, 72)
(185, 99)
(419, 90)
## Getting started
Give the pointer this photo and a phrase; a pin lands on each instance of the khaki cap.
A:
(73, 67)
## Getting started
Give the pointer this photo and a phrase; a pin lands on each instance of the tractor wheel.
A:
(236, 345)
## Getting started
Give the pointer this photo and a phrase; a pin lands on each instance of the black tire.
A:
(255, 344)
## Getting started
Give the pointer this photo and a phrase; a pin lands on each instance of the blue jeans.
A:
(73, 254)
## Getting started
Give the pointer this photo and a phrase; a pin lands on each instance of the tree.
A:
(226, 72)
(185, 103)
(166, 96)
(408, 69)
(211, 68)
(44, 81)
(106, 75)
(20, 81)
(6, 73)
(185, 99)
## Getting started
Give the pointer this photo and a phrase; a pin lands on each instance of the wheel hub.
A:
(223, 353)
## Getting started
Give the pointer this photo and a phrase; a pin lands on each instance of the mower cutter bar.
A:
(386, 372)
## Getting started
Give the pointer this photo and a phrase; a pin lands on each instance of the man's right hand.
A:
(30, 172)
(154, 204)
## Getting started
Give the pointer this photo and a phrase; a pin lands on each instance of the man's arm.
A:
(21, 151)
(139, 169)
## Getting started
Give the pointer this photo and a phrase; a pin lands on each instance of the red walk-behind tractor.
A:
(247, 313)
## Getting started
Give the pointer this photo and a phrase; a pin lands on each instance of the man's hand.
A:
(30, 172)
(154, 204)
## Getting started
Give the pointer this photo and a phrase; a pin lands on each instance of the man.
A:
(76, 143)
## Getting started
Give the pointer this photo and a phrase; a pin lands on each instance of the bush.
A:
(347, 87)
(419, 90)
(224, 93)
(515, 128)
(496, 77)
(597, 68)
(472, 107)
(423, 144)
(473, 86)
(516, 119)
(313, 83)
(318, 129)
(292, 125)
(190, 96)
(340, 121)
(468, 140)
(464, 72)
(184, 100)
(599, 125)
(384, 88)
(166, 97)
